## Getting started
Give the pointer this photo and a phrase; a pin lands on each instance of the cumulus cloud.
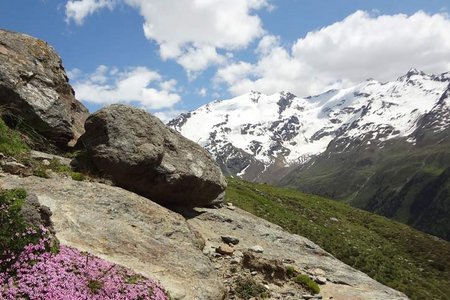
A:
(196, 59)
(138, 85)
(78, 10)
(190, 32)
(344, 53)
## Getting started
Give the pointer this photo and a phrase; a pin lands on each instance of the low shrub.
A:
(248, 288)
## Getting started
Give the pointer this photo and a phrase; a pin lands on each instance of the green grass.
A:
(77, 176)
(11, 142)
(307, 283)
(390, 252)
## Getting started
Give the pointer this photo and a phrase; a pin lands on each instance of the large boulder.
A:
(34, 89)
(139, 153)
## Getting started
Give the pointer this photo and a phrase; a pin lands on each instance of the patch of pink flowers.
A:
(70, 274)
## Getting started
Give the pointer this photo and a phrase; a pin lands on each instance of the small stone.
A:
(267, 287)
(235, 261)
(230, 240)
(333, 219)
(256, 249)
(254, 273)
(207, 250)
(238, 254)
(45, 162)
(317, 272)
(321, 279)
(307, 296)
(225, 250)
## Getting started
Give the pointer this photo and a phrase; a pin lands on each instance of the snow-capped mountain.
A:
(254, 134)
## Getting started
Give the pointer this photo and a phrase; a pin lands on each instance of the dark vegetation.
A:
(405, 182)
(247, 288)
(390, 252)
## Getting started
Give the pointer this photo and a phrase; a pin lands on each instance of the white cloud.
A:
(78, 10)
(136, 85)
(196, 59)
(74, 73)
(189, 31)
(344, 53)
(167, 115)
(203, 92)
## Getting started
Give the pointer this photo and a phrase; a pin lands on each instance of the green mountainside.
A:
(406, 182)
(390, 252)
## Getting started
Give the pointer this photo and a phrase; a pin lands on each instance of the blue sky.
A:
(169, 56)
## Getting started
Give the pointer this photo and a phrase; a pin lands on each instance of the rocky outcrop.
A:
(35, 92)
(276, 251)
(128, 230)
(142, 155)
(35, 214)
(12, 166)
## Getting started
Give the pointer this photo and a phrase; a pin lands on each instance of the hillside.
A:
(408, 183)
(392, 253)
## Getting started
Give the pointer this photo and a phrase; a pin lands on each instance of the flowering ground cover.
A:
(32, 267)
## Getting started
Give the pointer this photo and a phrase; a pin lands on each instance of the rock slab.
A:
(128, 230)
(139, 153)
(342, 282)
(34, 89)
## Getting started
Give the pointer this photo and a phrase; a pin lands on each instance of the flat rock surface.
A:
(129, 230)
(343, 282)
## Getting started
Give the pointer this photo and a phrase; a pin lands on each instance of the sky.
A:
(172, 56)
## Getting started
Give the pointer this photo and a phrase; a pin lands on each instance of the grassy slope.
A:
(405, 183)
(390, 252)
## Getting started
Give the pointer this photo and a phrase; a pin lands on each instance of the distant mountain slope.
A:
(392, 253)
(383, 147)
(250, 133)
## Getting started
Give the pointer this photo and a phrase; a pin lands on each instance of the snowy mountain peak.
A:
(255, 131)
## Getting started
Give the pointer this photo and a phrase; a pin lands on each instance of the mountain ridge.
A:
(382, 147)
(300, 128)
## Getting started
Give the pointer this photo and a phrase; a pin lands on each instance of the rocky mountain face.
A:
(34, 91)
(378, 146)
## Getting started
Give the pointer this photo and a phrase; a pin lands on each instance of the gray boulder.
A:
(34, 90)
(139, 153)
